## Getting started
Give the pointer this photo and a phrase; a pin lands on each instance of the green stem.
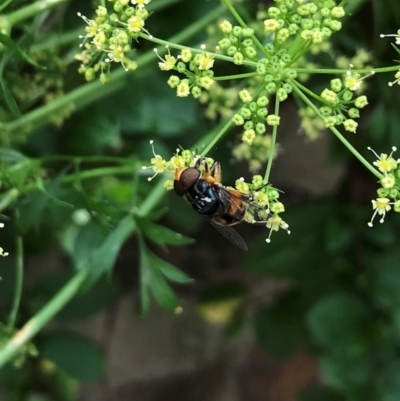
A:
(58, 39)
(98, 172)
(244, 25)
(93, 91)
(300, 54)
(31, 10)
(5, 5)
(13, 194)
(217, 137)
(18, 281)
(309, 92)
(341, 138)
(83, 159)
(273, 143)
(238, 76)
(36, 323)
(343, 71)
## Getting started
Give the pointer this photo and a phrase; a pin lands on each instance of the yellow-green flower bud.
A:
(388, 181)
(226, 27)
(248, 136)
(245, 96)
(273, 120)
(350, 125)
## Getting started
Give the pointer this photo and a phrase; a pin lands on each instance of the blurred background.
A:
(314, 316)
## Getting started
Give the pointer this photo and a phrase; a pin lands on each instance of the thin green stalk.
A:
(5, 4)
(58, 39)
(83, 159)
(31, 10)
(244, 25)
(344, 71)
(237, 76)
(273, 144)
(10, 197)
(217, 137)
(309, 92)
(341, 138)
(300, 54)
(92, 91)
(36, 323)
(18, 281)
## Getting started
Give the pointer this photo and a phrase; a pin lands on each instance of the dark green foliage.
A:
(73, 353)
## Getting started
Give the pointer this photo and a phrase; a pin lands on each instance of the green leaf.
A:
(340, 322)
(7, 41)
(8, 155)
(75, 354)
(102, 260)
(31, 210)
(90, 132)
(169, 271)
(162, 235)
(85, 240)
(152, 281)
(163, 293)
(353, 374)
(9, 98)
(19, 172)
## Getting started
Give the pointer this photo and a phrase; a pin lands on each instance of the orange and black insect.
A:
(221, 206)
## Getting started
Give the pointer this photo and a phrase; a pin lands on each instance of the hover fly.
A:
(223, 207)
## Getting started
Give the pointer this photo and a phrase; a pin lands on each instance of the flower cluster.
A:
(397, 41)
(253, 116)
(263, 205)
(316, 22)
(340, 106)
(238, 43)
(196, 68)
(389, 191)
(182, 158)
(109, 37)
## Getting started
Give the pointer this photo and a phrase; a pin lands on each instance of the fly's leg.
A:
(213, 175)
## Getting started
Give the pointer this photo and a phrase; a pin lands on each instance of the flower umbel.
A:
(381, 206)
(385, 163)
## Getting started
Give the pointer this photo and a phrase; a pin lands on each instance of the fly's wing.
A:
(230, 234)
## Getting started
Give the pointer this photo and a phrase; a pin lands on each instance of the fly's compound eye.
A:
(186, 180)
